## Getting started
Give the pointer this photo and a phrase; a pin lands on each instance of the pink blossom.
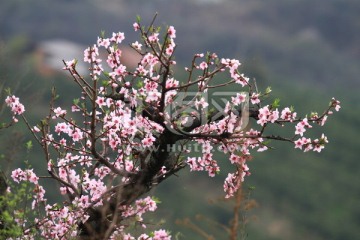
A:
(240, 98)
(163, 170)
(90, 54)
(38, 196)
(137, 45)
(119, 71)
(153, 96)
(206, 147)
(35, 129)
(118, 37)
(70, 65)
(76, 135)
(104, 42)
(263, 148)
(203, 65)
(82, 202)
(298, 143)
(145, 205)
(171, 82)
(151, 86)
(323, 120)
(75, 108)
(129, 166)
(154, 38)
(231, 185)
(336, 104)
(16, 107)
(27, 175)
(31, 176)
(201, 103)
(148, 141)
(11, 100)
(128, 237)
(144, 237)
(235, 159)
(97, 70)
(169, 50)
(149, 59)
(161, 235)
(318, 144)
(273, 116)
(255, 98)
(212, 169)
(288, 115)
(239, 79)
(18, 175)
(171, 32)
(263, 115)
(100, 101)
(194, 164)
(62, 127)
(318, 147)
(300, 128)
(231, 63)
(136, 26)
(113, 60)
(59, 112)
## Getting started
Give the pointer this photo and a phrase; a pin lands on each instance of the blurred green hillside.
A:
(308, 51)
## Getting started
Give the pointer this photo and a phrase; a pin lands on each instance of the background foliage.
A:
(306, 50)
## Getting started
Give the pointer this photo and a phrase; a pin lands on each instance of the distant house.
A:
(49, 55)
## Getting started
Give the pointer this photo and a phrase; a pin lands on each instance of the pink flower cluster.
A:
(19, 175)
(316, 145)
(28, 175)
(124, 113)
(17, 108)
(232, 183)
(141, 206)
(60, 222)
(156, 235)
(267, 114)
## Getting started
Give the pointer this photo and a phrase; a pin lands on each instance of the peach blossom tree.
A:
(132, 128)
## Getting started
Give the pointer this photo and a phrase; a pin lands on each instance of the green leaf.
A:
(268, 90)
(76, 101)
(276, 103)
(313, 114)
(106, 74)
(8, 91)
(104, 83)
(29, 145)
(140, 84)
(155, 199)
(102, 34)
(44, 122)
(207, 56)
(138, 18)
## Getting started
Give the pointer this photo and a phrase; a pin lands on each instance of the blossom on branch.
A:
(133, 127)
